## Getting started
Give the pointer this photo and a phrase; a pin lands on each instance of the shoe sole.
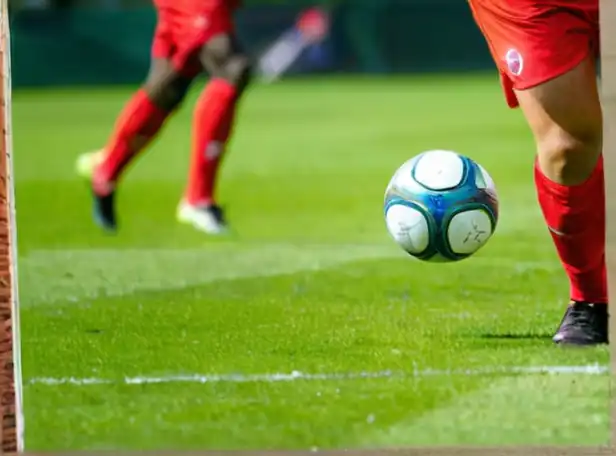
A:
(576, 343)
(184, 220)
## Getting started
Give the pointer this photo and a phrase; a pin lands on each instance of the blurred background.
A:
(67, 42)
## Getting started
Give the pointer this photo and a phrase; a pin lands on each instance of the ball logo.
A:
(476, 234)
(515, 62)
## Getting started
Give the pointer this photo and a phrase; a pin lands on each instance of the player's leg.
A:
(138, 124)
(142, 117)
(565, 117)
(552, 71)
(213, 120)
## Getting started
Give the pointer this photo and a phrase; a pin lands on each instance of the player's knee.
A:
(238, 71)
(169, 92)
(569, 159)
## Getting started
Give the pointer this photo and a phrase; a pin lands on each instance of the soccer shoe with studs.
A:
(103, 194)
(103, 204)
(209, 219)
(103, 211)
(584, 324)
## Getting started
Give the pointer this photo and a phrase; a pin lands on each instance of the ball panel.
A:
(486, 181)
(402, 181)
(409, 228)
(439, 170)
(468, 231)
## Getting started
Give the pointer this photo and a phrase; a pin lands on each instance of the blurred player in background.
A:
(191, 36)
(311, 27)
(546, 53)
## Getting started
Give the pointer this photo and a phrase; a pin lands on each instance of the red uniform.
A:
(184, 26)
(534, 41)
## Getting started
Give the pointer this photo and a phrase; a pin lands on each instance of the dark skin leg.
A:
(165, 86)
(222, 57)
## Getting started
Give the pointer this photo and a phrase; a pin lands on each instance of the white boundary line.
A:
(591, 369)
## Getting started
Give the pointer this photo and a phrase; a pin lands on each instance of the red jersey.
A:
(184, 26)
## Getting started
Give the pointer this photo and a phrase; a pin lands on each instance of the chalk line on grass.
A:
(591, 369)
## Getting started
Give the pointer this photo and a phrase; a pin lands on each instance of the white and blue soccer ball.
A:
(441, 206)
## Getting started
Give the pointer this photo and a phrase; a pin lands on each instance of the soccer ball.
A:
(441, 206)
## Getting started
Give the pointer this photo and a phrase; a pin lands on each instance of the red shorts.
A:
(533, 42)
(184, 26)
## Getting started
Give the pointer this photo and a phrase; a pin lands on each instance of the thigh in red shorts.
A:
(184, 26)
(533, 42)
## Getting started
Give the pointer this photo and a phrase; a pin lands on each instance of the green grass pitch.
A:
(310, 283)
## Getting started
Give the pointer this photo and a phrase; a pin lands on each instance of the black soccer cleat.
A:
(103, 211)
(584, 324)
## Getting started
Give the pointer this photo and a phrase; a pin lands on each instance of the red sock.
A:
(576, 218)
(212, 125)
(136, 126)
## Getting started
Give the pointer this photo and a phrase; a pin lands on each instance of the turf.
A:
(309, 282)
